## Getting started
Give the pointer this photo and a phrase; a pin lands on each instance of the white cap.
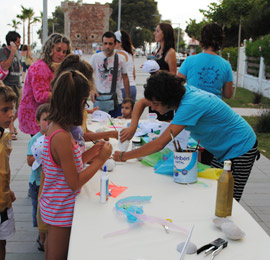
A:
(227, 165)
(118, 36)
(150, 66)
(36, 149)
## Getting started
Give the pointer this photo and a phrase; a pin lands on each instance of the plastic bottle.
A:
(225, 192)
(104, 186)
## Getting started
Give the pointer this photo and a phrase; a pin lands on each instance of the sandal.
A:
(40, 245)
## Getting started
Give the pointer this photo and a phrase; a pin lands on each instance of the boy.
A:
(7, 113)
(126, 108)
(34, 182)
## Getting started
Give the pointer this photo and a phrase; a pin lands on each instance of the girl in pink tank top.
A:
(62, 160)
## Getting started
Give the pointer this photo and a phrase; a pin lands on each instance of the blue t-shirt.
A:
(221, 130)
(35, 174)
(207, 72)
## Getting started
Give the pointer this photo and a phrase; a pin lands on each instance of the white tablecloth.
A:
(184, 204)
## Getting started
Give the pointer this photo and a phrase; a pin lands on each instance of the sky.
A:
(178, 11)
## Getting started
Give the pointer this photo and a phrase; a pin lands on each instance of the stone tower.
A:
(85, 23)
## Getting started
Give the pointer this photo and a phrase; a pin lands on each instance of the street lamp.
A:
(44, 22)
(119, 15)
(178, 37)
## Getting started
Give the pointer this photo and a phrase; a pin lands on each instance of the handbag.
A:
(3, 73)
(108, 101)
(28, 61)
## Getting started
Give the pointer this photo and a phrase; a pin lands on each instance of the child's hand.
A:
(105, 152)
(12, 195)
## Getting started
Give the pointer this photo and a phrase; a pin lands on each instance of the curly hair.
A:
(212, 35)
(73, 61)
(168, 36)
(166, 88)
(47, 50)
(70, 89)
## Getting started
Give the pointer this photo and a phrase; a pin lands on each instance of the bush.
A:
(233, 52)
(253, 48)
(257, 98)
(263, 124)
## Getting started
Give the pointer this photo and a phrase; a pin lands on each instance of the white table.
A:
(184, 204)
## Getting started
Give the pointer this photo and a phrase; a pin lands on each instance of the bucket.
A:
(185, 167)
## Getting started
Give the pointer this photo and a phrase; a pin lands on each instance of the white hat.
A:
(150, 66)
(100, 116)
(36, 149)
(118, 36)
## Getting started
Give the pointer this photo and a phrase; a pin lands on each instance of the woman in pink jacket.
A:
(36, 89)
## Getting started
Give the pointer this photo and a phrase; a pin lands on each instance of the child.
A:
(7, 113)
(126, 109)
(74, 62)
(62, 161)
(34, 181)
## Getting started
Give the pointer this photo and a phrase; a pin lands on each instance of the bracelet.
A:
(121, 156)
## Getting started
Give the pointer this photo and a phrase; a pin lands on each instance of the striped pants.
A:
(241, 168)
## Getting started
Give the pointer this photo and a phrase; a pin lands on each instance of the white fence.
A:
(255, 84)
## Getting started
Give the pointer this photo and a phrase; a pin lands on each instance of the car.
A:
(179, 59)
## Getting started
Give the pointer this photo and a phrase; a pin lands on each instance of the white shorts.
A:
(7, 228)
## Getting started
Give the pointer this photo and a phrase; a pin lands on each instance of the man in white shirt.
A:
(103, 65)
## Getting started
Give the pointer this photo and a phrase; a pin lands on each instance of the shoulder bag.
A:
(108, 101)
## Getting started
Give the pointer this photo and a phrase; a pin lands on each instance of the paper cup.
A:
(185, 167)
(122, 146)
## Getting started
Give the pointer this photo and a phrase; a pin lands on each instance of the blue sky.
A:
(178, 11)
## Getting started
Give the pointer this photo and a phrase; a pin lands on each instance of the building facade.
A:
(85, 24)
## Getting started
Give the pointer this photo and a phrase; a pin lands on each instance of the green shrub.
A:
(257, 98)
(233, 52)
(253, 48)
(263, 124)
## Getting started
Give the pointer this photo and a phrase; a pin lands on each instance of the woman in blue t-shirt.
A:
(220, 130)
(207, 70)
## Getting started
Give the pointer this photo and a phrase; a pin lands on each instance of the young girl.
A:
(62, 161)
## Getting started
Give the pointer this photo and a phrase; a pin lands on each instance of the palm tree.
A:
(22, 17)
(14, 24)
(28, 14)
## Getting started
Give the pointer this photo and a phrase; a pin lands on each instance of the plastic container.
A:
(137, 143)
(185, 167)
(104, 186)
(225, 186)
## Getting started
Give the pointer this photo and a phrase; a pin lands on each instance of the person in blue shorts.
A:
(220, 130)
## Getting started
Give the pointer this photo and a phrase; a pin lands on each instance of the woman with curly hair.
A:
(207, 70)
(36, 89)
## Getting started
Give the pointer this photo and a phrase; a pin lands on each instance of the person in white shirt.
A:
(124, 47)
(103, 65)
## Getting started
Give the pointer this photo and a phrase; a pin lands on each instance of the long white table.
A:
(184, 204)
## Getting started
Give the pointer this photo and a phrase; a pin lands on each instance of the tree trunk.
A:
(238, 59)
(28, 33)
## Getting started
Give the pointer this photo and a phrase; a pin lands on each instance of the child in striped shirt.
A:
(62, 160)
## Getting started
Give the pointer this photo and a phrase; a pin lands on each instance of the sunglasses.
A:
(105, 64)
(86, 103)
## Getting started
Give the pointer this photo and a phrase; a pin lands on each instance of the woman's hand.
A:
(127, 134)
(117, 156)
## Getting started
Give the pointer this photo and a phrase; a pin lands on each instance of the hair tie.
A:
(73, 73)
